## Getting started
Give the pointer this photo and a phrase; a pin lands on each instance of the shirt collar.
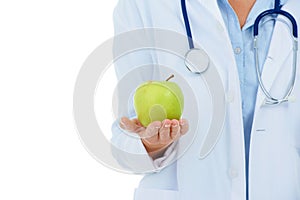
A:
(259, 7)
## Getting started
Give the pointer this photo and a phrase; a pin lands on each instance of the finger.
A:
(164, 131)
(175, 129)
(184, 126)
(130, 125)
(151, 131)
(122, 123)
(137, 122)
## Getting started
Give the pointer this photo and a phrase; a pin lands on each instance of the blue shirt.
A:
(242, 46)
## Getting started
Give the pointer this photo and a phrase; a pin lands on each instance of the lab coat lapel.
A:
(213, 8)
(215, 28)
(279, 50)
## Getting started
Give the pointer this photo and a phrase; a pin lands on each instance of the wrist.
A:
(155, 151)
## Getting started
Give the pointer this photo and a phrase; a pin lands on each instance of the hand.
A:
(157, 136)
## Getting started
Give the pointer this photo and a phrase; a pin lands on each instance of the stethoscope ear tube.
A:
(279, 12)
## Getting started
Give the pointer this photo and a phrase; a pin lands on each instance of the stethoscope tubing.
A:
(187, 24)
(270, 100)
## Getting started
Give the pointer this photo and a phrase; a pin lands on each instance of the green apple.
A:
(158, 100)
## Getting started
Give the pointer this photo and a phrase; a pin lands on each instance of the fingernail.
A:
(153, 129)
(174, 125)
(167, 125)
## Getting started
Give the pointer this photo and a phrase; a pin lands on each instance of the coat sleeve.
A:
(127, 19)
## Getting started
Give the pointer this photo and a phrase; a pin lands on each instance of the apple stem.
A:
(172, 76)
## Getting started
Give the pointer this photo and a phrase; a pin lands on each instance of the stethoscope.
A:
(203, 61)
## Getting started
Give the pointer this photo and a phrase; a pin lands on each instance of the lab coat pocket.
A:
(150, 194)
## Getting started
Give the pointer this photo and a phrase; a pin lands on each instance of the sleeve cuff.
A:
(131, 154)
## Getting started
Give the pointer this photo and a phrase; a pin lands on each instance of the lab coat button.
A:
(233, 173)
(237, 50)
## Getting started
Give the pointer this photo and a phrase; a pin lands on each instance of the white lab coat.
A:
(274, 163)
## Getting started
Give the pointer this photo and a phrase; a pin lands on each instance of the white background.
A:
(42, 47)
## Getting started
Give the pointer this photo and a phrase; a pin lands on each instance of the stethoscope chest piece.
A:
(196, 60)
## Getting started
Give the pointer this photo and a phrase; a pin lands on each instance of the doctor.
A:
(258, 154)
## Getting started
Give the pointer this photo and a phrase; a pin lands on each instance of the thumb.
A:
(129, 125)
